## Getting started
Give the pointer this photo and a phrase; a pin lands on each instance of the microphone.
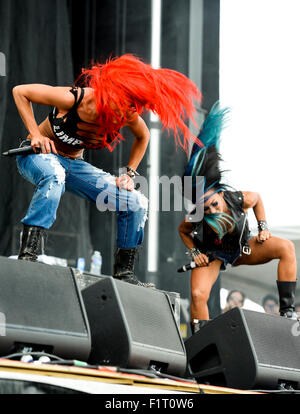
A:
(18, 151)
(22, 150)
(192, 265)
(187, 267)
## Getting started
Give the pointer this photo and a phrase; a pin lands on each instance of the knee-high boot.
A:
(30, 243)
(286, 291)
(124, 267)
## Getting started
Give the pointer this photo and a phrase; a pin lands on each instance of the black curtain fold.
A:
(120, 26)
(35, 37)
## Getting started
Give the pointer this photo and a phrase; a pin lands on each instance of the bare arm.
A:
(253, 200)
(142, 135)
(25, 95)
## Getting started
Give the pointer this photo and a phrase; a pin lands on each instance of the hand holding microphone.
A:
(187, 267)
(34, 146)
(199, 260)
(43, 144)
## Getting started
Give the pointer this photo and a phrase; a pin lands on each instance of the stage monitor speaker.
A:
(133, 327)
(41, 309)
(246, 350)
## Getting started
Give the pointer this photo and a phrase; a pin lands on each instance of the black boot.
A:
(30, 243)
(124, 267)
(197, 324)
(286, 292)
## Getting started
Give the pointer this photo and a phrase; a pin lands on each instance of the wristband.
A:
(131, 172)
(262, 225)
(194, 252)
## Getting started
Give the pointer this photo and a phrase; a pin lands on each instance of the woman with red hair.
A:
(105, 98)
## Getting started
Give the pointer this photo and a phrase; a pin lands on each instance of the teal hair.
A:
(221, 223)
(204, 160)
(213, 125)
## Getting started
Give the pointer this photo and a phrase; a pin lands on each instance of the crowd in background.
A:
(269, 303)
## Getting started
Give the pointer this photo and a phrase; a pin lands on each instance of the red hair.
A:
(126, 85)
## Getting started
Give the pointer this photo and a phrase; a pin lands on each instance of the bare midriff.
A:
(62, 149)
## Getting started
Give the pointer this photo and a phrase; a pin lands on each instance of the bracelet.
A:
(193, 252)
(262, 225)
(131, 172)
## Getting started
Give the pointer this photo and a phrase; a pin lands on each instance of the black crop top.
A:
(65, 127)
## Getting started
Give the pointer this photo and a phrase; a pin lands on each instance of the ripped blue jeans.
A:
(54, 174)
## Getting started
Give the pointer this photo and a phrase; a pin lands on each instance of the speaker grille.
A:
(148, 315)
(267, 333)
(40, 297)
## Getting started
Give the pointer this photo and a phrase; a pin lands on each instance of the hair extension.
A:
(204, 162)
(221, 223)
(125, 86)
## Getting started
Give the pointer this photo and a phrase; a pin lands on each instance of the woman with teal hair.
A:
(222, 236)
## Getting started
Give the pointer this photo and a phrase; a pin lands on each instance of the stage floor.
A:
(104, 380)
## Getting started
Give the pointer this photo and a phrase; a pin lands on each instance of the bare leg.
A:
(277, 248)
(202, 280)
(274, 248)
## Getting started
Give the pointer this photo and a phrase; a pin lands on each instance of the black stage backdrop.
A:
(35, 38)
(100, 30)
(49, 41)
